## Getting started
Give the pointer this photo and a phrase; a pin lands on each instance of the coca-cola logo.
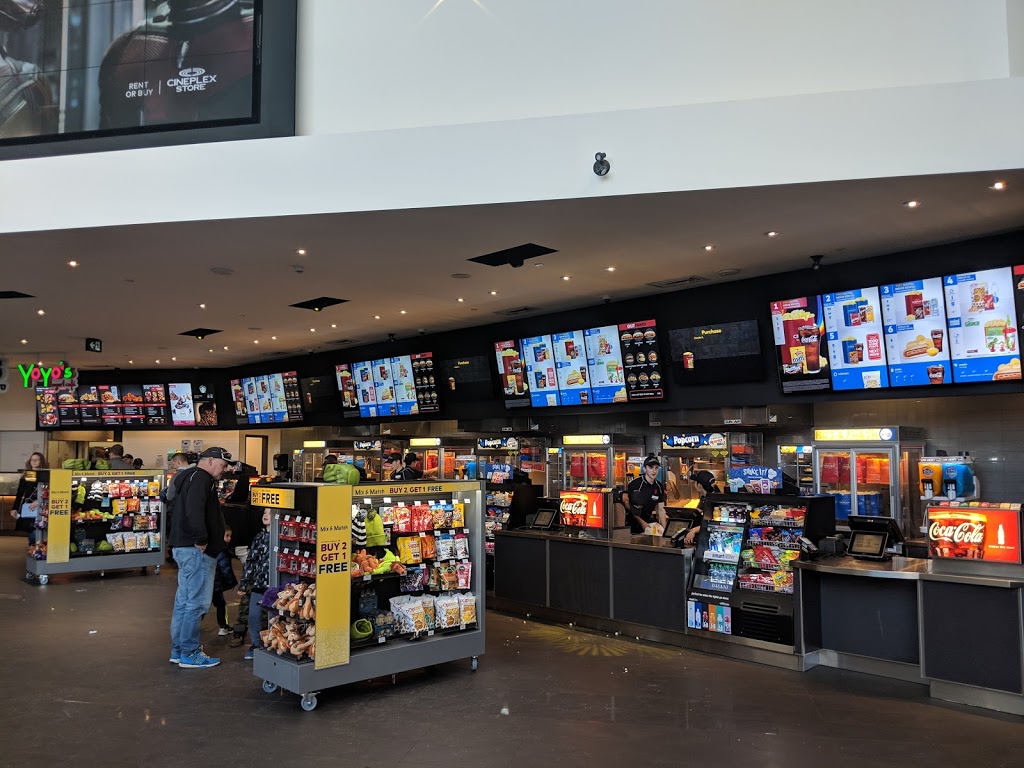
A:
(574, 507)
(963, 533)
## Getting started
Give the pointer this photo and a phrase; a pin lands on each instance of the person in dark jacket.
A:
(223, 580)
(26, 501)
(197, 537)
(407, 473)
(256, 580)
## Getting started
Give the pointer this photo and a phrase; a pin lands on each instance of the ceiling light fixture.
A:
(273, 338)
(157, 362)
(334, 325)
(567, 277)
(999, 186)
(402, 312)
(816, 261)
(202, 306)
(225, 349)
(539, 264)
(728, 272)
(300, 251)
(24, 341)
(209, 350)
(72, 263)
(494, 293)
(912, 204)
(609, 269)
(174, 359)
(312, 330)
(255, 341)
(376, 317)
(771, 233)
(709, 247)
(131, 362)
(460, 300)
(40, 312)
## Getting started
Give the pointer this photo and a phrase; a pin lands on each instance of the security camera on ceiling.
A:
(601, 164)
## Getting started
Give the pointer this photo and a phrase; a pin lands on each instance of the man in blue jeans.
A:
(197, 536)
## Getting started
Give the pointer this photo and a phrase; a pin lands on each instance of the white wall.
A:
(150, 445)
(372, 65)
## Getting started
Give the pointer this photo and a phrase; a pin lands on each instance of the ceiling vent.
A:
(15, 295)
(315, 305)
(679, 282)
(199, 333)
(514, 257)
(516, 311)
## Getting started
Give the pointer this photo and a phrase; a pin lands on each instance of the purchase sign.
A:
(974, 531)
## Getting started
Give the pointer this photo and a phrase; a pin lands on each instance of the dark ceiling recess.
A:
(15, 295)
(514, 257)
(199, 333)
(315, 305)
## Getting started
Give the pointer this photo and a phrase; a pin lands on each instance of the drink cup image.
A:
(937, 339)
(809, 339)
(936, 374)
(688, 360)
(958, 534)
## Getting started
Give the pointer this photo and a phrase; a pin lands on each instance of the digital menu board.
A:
(271, 399)
(570, 353)
(853, 327)
(89, 406)
(982, 322)
(467, 379)
(384, 387)
(540, 371)
(347, 387)
(46, 407)
(182, 407)
(642, 360)
(426, 380)
(799, 329)
(57, 407)
(604, 359)
(363, 375)
(278, 405)
(132, 412)
(403, 385)
(915, 333)
(110, 405)
(205, 406)
(238, 400)
(714, 354)
(319, 395)
(512, 374)
(154, 398)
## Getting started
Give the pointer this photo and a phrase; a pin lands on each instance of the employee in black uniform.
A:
(645, 498)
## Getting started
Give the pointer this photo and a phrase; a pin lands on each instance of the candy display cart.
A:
(341, 614)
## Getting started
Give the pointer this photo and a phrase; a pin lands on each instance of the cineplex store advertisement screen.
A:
(73, 67)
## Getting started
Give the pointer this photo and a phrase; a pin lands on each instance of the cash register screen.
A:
(676, 526)
(866, 543)
(544, 518)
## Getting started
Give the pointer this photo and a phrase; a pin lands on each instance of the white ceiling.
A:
(138, 287)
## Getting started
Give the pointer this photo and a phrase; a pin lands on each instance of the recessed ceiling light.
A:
(999, 186)
(72, 263)
(567, 277)
(494, 293)
(40, 312)
(771, 233)
(334, 325)
(460, 300)
(273, 338)
(157, 362)
(376, 317)
(312, 330)
(402, 312)
(225, 349)
(210, 350)
(709, 247)
(609, 269)
(255, 341)
(24, 341)
(202, 306)
(539, 264)
(174, 359)
(300, 251)
(912, 204)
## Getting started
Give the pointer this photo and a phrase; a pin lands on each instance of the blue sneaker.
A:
(197, 660)
(175, 657)
(249, 653)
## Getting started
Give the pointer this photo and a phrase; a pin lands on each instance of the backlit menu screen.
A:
(604, 359)
(512, 373)
(384, 387)
(363, 376)
(916, 337)
(540, 371)
(853, 327)
(799, 329)
(570, 353)
(982, 326)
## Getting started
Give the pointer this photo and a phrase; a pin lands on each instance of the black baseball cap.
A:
(391, 458)
(652, 461)
(217, 453)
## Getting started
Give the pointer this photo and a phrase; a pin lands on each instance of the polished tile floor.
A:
(85, 680)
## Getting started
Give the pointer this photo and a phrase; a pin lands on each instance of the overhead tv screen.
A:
(81, 72)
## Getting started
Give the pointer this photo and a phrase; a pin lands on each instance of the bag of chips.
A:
(464, 574)
(467, 608)
(445, 545)
(409, 550)
(461, 546)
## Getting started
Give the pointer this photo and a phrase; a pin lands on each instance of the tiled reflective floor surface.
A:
(85, 680)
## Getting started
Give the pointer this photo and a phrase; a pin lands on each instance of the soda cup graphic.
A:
(957, 534)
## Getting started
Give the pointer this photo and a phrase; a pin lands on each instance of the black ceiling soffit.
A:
(15, 295)
(199, 333)
(514, 257)
(316, 305)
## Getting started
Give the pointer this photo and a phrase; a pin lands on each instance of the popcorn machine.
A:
(872, 471)
(599, 461)
(716, 452)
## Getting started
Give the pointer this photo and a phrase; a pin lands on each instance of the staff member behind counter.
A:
(645, 498)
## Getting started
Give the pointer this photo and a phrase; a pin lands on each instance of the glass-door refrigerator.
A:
(797, 461)
(872, 471)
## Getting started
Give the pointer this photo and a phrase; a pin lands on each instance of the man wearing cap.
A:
(645, 498)
(116, 457)
(196, 537)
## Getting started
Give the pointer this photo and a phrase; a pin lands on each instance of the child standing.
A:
(256, 579)
(223, 580)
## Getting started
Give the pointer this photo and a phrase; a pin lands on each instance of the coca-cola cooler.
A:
(600, 461)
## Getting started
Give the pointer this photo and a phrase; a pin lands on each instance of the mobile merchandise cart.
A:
(319, 637)
(93, 521)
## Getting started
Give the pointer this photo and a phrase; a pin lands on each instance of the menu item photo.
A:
(182, 408)
(540, 370)
(604, 359)
(425, 381)
(571, 367)
(384, 387)
(799, 329)
(982, 321)
(916, 336)
(642, 360)
(205, 406)
(365, 388)
(853, 324)
(347, 388)
(512, 373)
(155, 405)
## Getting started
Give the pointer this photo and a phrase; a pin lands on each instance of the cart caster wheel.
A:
(308, 702)
(269, 687)
(30, 576)
(474, 663)
(156, 569)
(44, 579)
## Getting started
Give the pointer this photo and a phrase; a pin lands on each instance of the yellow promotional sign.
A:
(333, 581)
(58, 527)
(400, 489)
(275, 498)
(873, 434)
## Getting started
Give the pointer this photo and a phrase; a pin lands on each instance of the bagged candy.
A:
(116, 540)
(403, 520)
(409, 550)
(447, 611)
(154, 540)
(429, 612)
(368, 602)
(461, 546)
(467, 608)
(464, 575)
(459, 516)
(434, 579)
(428, 547)
(412, 580)
(445, 544)
(449, 576)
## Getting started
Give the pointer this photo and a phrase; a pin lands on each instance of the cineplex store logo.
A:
(191, 79)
